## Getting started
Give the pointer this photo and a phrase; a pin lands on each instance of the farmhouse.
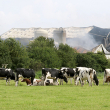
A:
(101, 48)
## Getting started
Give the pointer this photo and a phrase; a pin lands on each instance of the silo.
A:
(59, 35)
(40, 32)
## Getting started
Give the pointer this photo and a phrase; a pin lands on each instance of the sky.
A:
(53, 13)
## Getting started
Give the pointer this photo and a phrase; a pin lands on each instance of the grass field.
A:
(62, 97)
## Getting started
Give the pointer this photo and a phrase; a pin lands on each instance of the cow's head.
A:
(47, 82)
(63, 71)
(90, 71)
(65, 79)
(96, 80)
(77, 71)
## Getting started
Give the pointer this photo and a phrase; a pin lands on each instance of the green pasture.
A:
(62, 97)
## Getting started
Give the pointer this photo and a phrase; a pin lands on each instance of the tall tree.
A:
(42, 49)
(4, 54)
(67, 56)
(18, 54)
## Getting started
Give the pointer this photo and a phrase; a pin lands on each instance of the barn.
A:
(101, 48)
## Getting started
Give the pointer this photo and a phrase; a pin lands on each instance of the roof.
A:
(100, 48)
(81, 50)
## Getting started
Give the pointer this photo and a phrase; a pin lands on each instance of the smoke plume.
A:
(87, 41)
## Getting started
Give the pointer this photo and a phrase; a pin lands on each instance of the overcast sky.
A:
(53, 13)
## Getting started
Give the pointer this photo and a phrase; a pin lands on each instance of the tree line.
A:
(42, 53)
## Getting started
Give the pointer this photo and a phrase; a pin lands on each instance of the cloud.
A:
(53, 13)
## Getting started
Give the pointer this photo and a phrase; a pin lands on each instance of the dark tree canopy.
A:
(42, 49)
(67, 56)
(18, 54)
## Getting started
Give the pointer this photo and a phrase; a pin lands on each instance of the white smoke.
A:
(87, 41)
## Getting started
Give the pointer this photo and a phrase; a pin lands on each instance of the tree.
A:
(96, 61)
(18, 54)
(42, 49)
(4, 54)
(67, 56)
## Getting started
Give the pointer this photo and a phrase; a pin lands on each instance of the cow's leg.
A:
(75, 78)
(68, 79)
(90, 82)
(56, 82)
(16, 83)
(45, 82)
(32, 80)
(81, 82)
(9, 81)
(61, 81)
(77, 81)
(71, 80)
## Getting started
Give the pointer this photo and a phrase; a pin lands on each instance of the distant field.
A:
(62, 97)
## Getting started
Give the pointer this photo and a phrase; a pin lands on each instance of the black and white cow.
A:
(54, 74)
(84, 73)
(24, 73)
(8, 74)
(69, 73)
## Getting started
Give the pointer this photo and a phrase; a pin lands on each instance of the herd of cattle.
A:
(50, 76)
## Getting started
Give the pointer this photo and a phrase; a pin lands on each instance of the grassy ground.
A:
(62, 97)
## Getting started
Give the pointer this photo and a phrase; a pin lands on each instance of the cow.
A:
(50, 82)
(47, 81)
(36, 82)
(49, 73)
(24, 73)
(8, 74)
(106, 75)
(84, 73)
(69, 73)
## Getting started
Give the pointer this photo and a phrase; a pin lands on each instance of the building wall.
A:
(70, 32)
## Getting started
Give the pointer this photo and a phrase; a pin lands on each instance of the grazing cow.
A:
(106, 75)
(36, 82)
(54, 74)
(84, 73)
(69, 73)
(7, 73)
(24, 73)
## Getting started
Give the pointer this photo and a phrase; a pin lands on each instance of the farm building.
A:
(101, 48)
